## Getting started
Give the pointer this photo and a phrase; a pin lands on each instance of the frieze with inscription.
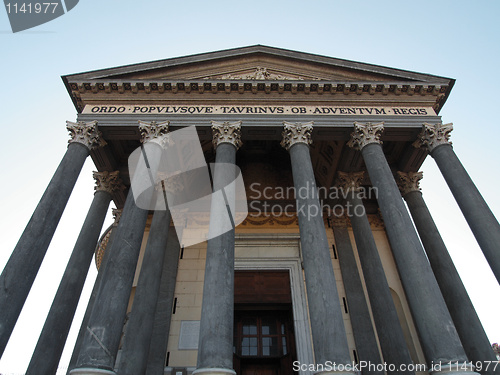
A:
(258, 110)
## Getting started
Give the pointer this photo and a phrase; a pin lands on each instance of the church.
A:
(268, 220)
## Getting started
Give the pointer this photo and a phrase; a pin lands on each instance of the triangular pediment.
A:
(257, 63)
(261, 73)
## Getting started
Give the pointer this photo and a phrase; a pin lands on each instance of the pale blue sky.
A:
(456, 39)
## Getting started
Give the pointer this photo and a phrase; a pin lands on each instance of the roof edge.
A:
(239, 51)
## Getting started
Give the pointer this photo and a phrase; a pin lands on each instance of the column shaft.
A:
(164, 305)
(90, 305)
(21, 269)
(55, 330)
(137, 337)
(481, 220)
(438, 335)
(327, 324)
(102, 337)
(469, 328)
(364, 335)
(390, 334)
(215, 349)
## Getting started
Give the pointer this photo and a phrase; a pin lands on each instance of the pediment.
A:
(257, 63)
(260, 73)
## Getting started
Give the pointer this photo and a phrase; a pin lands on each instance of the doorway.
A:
(264, 340)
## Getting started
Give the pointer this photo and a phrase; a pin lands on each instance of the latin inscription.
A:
(258, 110)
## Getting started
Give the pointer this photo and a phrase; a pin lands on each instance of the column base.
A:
(91, 371)
(213, 371)
(454, 369)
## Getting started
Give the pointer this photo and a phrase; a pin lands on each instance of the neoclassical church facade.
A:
(322, 269)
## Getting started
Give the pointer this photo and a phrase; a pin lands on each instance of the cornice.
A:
(257, 50)
(297, 87)
(386, 78)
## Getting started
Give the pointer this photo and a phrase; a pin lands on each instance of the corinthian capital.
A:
(296, 133)
(364, 134)
(171, 183)
(408, 182)
(227, 132)
(156, 132)
(117, 214)
(350, 181)
(85, 133)
(108, 182)
(433, 135)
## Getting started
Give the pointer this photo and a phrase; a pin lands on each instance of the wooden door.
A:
(260, 369)
(264, 341)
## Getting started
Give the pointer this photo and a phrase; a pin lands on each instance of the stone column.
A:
(469, 328)
(215, 348)
(137, 338)
(437, 333)
(103, 332)
(385, 316)
(55, 330)
(164, 305)
(364, 335)
(21, 269)
(481, 220)
(81, 333)
(328, 332)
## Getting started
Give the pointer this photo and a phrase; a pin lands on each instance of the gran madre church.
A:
(326, 274)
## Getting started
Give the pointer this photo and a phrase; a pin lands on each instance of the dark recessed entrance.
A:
(264, 341)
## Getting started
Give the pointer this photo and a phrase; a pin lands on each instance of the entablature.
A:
(262, 87)
(255, 91)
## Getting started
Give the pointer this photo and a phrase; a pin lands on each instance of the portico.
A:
(288, 121)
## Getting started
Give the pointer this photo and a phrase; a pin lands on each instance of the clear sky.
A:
(457, 39)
